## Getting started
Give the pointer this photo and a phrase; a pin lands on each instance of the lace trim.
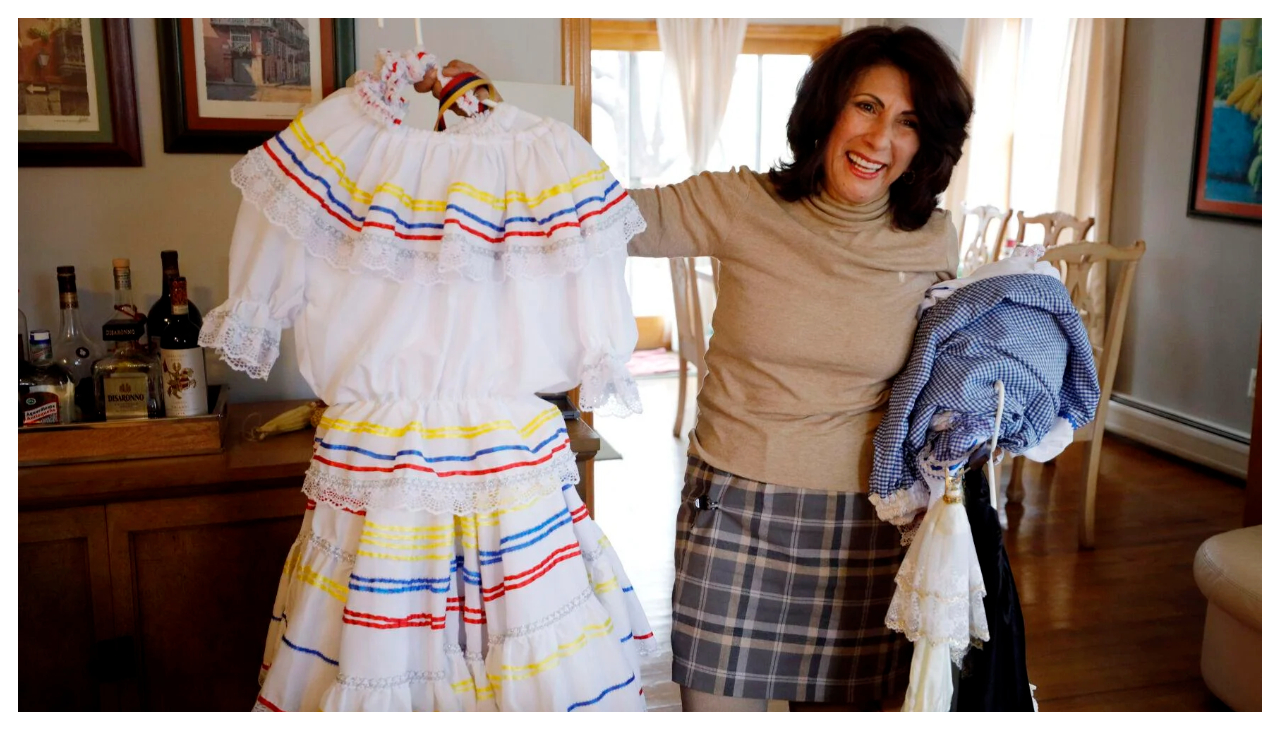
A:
(544, 622)
(368, 683)
(956, 619)
(591, 557)
(901, 507)
(424, 492)
(644, 647)
(609, 389)
(324, 546)
(244, 347)
(458, 255)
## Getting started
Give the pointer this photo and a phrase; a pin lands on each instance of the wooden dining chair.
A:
(1055, 224)
(691, 330)
(1079, 262)
(979, 247)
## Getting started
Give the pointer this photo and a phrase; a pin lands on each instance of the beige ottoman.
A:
(1228, 570)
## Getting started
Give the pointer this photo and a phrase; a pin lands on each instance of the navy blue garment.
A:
(1021, 329)
(994, 676)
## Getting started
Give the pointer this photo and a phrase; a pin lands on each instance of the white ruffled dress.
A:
(435, 281)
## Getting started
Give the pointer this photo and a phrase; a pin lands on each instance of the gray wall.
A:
(1196, 311)
(87, 216)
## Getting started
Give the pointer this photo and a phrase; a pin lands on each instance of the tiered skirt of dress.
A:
(520, 604)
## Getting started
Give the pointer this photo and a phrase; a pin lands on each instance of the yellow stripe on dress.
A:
(512, 673)
(335, 163)
(605, 587)
(310, 576)
(440, 432)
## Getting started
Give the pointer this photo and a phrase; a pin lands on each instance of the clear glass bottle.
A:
(186, 392)
(46, 393)
(127, 382)
(158, 317)
(73, 349)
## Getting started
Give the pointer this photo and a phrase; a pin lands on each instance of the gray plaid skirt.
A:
(781, 593)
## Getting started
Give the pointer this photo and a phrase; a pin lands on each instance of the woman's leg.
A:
(691, 700)
(888, 705)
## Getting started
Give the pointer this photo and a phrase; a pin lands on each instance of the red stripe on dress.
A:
(435, 236)
(263, 701)
(374, 621)
(520, 580)
(308, 190)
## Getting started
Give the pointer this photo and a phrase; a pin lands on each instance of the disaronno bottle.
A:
(185, 389)
(127, 382)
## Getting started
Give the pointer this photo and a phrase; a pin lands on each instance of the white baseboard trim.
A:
(1193, 444)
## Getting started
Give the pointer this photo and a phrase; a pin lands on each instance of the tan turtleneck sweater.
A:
(815, 316)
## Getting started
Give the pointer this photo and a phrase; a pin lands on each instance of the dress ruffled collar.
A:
(504, 194)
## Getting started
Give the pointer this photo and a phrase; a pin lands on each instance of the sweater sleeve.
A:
(689, 218)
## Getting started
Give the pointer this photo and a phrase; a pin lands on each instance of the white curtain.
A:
(848, 25)
(989, 61)
(1087, 173)
(1092, 117)
(703, 52)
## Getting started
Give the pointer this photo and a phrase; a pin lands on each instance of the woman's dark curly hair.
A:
(942, 101)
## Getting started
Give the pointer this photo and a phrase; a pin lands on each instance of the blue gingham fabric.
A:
(1021, 329)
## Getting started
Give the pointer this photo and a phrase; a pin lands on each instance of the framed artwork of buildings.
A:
(229, 84)
(76, 101)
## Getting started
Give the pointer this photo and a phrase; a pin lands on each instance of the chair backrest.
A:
(1054, 224)
(690, 330)
(1079, 262)
(978, 247)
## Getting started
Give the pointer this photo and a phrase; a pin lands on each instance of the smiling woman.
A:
(784, 572)
(823, 262)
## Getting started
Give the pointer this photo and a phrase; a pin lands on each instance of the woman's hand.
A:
(431, 82)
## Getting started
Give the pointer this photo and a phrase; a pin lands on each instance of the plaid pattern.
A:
(781, 593)
(1021, 329)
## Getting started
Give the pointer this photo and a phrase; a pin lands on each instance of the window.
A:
(241, 42)
(637, 125)
(1039, 108)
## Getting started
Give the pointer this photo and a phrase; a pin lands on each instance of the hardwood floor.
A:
(1115, 628)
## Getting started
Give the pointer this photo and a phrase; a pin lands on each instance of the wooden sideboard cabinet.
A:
(148, 584)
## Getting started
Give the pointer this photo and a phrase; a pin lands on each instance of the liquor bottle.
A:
(158, 317)
(46, 393)
(73, 349)
(127, 381)
(185, 388)
(127, 323)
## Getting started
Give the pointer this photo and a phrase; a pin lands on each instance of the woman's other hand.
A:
(431, 82)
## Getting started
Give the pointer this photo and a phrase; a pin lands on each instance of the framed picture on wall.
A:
(76, 100)
(1226, 178)
(229, 84)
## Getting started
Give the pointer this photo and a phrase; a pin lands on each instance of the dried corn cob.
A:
(294, 419)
